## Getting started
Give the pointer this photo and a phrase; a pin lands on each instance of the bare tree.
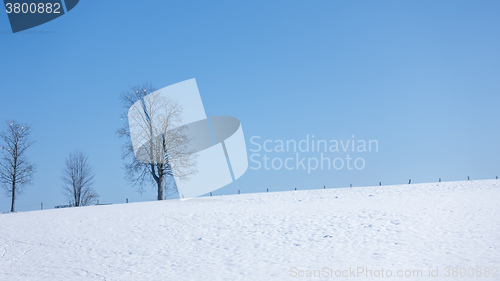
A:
(15, 170)
(163, 153)
(78, 177)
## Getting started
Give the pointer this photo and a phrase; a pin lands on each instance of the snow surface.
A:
(261, 236)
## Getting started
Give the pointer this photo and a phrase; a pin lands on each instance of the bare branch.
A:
(78, 178)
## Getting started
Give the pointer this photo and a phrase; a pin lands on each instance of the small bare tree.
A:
(15, 170)
(78, 177)
(164, 152)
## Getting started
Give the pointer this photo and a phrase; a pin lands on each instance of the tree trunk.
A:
(160, 187)
(77, 195)
(14, 178)
(13, 206)
(158, 179)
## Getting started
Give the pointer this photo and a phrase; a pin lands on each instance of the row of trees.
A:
(163, 155)
(16, 171)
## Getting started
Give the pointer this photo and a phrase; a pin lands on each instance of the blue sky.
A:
(421, 77)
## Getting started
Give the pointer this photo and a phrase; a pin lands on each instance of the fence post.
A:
(210, 193)
(127, 200)
(351, 184)
(380, 183)
(439, 179)
(468, 178)
(409, 182)
(238, 191)
(295, 189)
(324, 186)
(41, 206)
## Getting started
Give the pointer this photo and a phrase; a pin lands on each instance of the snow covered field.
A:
(268, 236)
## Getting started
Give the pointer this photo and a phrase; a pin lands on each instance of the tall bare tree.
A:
(78, 177)
(164, 150)
(15, 170)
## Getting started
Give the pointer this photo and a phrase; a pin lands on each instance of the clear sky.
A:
(420, 77)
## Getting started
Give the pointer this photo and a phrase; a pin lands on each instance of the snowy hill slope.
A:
(268, 236)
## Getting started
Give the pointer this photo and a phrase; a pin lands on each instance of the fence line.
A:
(239, 192)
